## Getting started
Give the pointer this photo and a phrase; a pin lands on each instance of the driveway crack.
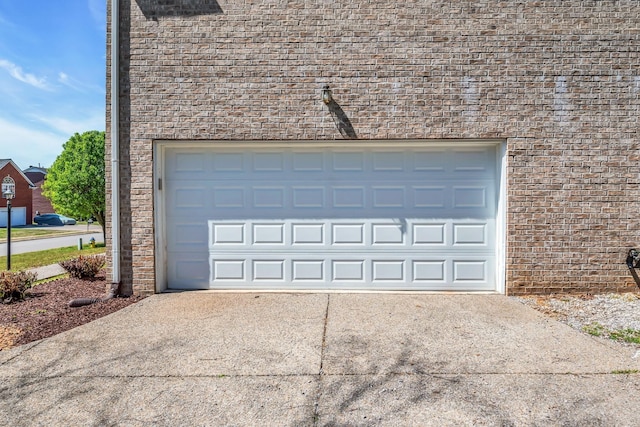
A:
(316, 415)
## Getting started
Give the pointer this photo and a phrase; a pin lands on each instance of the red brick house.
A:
(21, 213)
(41, 204)
(427, 145)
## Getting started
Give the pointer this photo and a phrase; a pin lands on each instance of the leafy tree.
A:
(75, 182)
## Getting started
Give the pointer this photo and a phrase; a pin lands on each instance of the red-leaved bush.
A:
(14, 285)
(83, 267)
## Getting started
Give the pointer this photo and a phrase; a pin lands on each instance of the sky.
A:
(52, 76)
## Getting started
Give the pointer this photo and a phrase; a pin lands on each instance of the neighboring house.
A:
(41, 204)
(21, 213)
(482, 146)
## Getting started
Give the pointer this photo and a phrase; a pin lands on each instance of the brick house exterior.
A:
(558, 82)
(23, 191)
(41, 204)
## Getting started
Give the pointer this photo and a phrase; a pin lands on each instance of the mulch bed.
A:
(45, 311)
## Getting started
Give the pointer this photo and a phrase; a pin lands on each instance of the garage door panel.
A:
(307, 233)
(470, 234)
(190, 198)
(271, 197)
(308, 162)
(347, 161)
(469, 271)
(340, 164)
(429, 271)
(189, 163)
(348, 197)
(330, 234)
(383, 253)
(188, 236)
(389, 161)
(228, 270)
(279, 198)
(188, 270)
(470, 197)
(388, 270)
(388, 234)
(430, 162)
(229, 197)
(472, 160)
(429, 197)
(338, 218)
(268, 270)
(231, 163)
(429, 233)
(344, 271)
(268, 234)
(187, 195)
(305, 270)
(225, 234)
(310, 197)
(388, 197)
(269, 162)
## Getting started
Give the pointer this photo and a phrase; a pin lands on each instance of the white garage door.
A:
(331, 218)
(18, 216)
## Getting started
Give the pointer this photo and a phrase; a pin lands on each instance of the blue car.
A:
(53, 219)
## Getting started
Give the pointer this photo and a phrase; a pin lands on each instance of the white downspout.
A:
(115, 142)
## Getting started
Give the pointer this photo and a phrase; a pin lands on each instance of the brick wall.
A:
(558, 80)
(23, 196)
(40, 202)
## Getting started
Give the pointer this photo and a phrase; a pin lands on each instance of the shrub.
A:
(14, 286)
(83, 267)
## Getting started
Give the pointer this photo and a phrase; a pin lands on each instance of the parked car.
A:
(53, 219)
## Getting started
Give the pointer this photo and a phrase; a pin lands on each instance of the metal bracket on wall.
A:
(633, 262)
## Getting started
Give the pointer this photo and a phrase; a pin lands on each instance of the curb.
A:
(53, 236)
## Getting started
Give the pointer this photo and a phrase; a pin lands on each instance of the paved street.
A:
(40, 244)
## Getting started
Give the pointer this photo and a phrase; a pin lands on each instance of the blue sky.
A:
(52, 76)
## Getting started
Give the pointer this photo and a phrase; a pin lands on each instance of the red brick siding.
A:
(23, 197)
(40, 202)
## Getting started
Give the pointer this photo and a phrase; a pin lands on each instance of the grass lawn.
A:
(51, 256)
(18, 232)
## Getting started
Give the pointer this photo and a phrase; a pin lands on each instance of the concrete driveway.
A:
(202, 358)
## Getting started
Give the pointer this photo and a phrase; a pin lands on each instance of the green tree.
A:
(75, 183)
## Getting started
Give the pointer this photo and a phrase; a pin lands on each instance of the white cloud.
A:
(68, 127)
(17, 73)
(66, 80)
(40, 140)
(27, 146)
(77, 85)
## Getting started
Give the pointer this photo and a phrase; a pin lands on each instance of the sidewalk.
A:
(48, 271)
